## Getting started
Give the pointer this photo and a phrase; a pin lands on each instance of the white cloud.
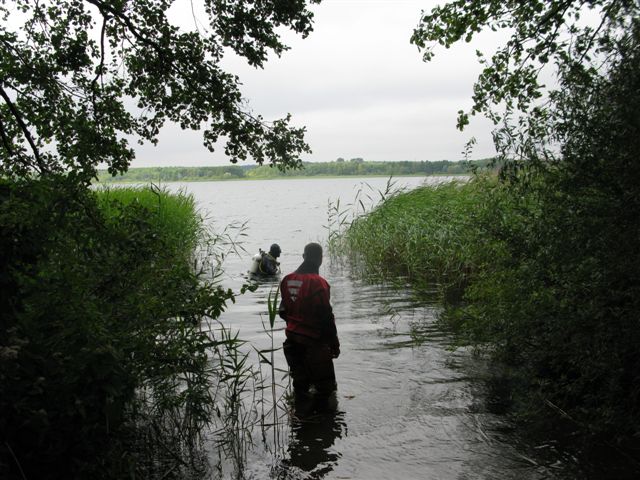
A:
(360, 88)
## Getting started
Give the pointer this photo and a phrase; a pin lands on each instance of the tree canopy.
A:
(80, 78)
(554, 287)
(570, 34)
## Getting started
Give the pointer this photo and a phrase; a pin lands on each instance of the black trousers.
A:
(310, 364)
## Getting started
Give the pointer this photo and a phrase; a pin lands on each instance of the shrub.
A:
(103, 363)
(547, 257)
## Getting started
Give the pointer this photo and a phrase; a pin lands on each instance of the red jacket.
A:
(306, 308)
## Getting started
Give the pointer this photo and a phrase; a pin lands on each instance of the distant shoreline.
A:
(336, 169)
(258, 179)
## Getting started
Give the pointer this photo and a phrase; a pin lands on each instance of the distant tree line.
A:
(340, 167)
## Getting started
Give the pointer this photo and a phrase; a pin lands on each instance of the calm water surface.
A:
(409, 405)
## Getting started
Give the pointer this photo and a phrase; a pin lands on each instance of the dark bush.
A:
(100, 333)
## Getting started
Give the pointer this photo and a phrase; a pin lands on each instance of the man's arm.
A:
(325, 314)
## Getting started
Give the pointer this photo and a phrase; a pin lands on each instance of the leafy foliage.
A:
(574, 265)
(105, 346)
(81, 76)
(102, 336)
(548, 255)
(542, 32)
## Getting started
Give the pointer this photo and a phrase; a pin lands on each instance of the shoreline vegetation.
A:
(111, 350)
(534, 274)
(354, 167)
(537, 266)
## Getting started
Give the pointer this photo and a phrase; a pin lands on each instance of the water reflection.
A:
(417, 406)
(261, 280)
(310, 444)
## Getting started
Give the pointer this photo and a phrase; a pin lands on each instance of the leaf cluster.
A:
(79, 78)
(547, 258)
(540, 33)
(101, 337)
(563, 303)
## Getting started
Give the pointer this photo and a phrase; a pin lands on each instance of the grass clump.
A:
(427, 236)
(175, 215)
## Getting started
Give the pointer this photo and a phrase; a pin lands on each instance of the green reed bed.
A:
(534, 272)
(427, 235)
(220, 389)
(173, 214)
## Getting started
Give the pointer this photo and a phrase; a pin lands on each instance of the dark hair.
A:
(275, 250)
(313, 252)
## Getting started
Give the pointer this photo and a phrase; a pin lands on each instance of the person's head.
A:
(274, 250)
(313, 253)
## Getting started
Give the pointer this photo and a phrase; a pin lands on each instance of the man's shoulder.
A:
(312, 277)
(312, 280)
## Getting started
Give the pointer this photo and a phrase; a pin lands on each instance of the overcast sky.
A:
(359, 87)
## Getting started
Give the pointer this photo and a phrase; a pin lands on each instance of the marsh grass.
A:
(232, 402)
(427, 236)
(250, 398)
(114, 363)
(236, 395)
(340, 215)
(237, 384)
(277, 408)
(174, 214)
(525, 271)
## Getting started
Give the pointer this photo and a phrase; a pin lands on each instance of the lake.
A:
(410, 405)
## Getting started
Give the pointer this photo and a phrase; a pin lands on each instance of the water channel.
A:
(410, 406)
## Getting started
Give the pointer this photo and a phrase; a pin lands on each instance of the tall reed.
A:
(174, 214)
(426, 236)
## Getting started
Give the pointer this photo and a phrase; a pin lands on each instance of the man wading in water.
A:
(312, 339)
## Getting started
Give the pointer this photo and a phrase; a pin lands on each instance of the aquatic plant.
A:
(175, 215)
(251, 399)
(426, 236)
(274, 411)
(539, 267)
(236, 390)
(341, 216)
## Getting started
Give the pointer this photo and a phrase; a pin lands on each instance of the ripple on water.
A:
(411, 407)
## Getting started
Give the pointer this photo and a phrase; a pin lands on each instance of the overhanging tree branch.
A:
(5, 139)
(100, 67)
(25, 130)
(106, 9)
(76, 88)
